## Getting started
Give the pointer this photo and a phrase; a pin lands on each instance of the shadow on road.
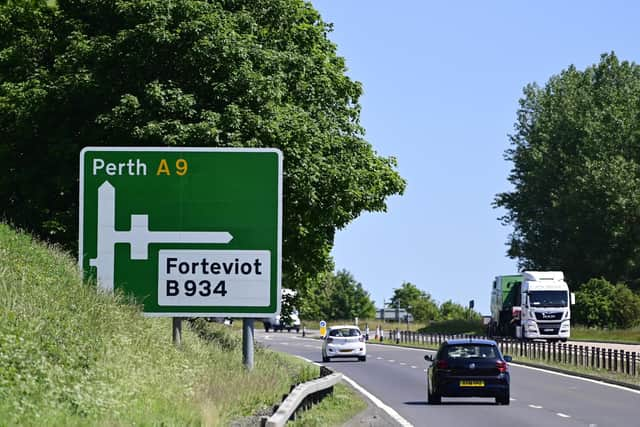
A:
(466, 403)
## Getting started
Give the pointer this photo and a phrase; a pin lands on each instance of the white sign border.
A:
(277, 151)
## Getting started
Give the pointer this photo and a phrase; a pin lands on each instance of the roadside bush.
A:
(627, 307)
(456, 326)
(602, 304)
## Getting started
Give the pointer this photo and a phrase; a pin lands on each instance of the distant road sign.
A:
(187, 231)
(323, 328)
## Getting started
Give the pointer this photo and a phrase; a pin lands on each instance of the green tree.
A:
(405, 295)
(336, 297)
(595, 304)
(425, 310)
(417, 302)
(450, 310)
(575, 205)
(627, 307)
(226, 73)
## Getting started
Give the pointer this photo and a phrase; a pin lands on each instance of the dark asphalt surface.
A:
(396, 376)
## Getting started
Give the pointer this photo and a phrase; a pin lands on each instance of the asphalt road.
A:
(396, 376)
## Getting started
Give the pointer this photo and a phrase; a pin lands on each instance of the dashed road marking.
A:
(391, 361)
(560, 414)
(535, 406)
(402, 364)
(413, 367)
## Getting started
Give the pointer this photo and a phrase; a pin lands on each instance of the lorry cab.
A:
(531, 305)
(546, 306)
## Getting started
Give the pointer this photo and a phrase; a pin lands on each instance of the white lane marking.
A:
(512, 399)
(378, 358)
(392, 413)
(619, 387)
(422, 350)
(560, 414)
(402, 364)
(389, 410)
(535, 406)
(413, 367)
(391, 361)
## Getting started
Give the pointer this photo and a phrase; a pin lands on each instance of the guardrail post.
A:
(615, 360)
(609, 352)
(627, 365)
(633, 363)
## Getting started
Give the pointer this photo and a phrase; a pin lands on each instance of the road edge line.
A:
(388, 409)
(578, 376)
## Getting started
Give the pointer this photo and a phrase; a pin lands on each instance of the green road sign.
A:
(187, 231)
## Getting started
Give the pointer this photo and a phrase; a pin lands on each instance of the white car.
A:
(344, 341)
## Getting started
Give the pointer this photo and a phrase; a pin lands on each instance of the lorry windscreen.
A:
(548, 298)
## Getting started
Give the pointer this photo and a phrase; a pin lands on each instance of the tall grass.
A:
(70, 355)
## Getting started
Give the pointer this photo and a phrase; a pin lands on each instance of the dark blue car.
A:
(468, 368)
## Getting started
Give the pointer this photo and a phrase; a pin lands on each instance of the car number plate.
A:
(345, 351)
(468, 383)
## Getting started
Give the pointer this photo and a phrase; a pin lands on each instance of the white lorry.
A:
(275, 323)
(531, 305)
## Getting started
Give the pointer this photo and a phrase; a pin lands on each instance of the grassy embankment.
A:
(72, 356)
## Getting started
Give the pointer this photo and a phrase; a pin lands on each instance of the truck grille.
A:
(549, 316)
(549, 328)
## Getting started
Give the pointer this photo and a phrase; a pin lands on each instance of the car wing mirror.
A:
(508, 358)
(428, 358)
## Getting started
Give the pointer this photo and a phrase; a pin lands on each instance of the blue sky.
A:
(441, 83)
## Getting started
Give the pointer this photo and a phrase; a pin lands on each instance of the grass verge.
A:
(72, 356)
(334, 410)
(625, 336)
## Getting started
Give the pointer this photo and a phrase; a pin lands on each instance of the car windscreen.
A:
(548, 298)
(481, 351)
(344, 332)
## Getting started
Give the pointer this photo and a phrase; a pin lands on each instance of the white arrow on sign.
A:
(138, 237)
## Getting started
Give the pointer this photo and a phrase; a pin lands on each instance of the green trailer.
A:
(505, 305)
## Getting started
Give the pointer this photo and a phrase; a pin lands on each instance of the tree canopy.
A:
(575, 203)
(337, 297)
(226, 73)
(602, 304)
(417, 302)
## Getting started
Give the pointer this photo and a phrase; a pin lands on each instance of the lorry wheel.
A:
(266, 327)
